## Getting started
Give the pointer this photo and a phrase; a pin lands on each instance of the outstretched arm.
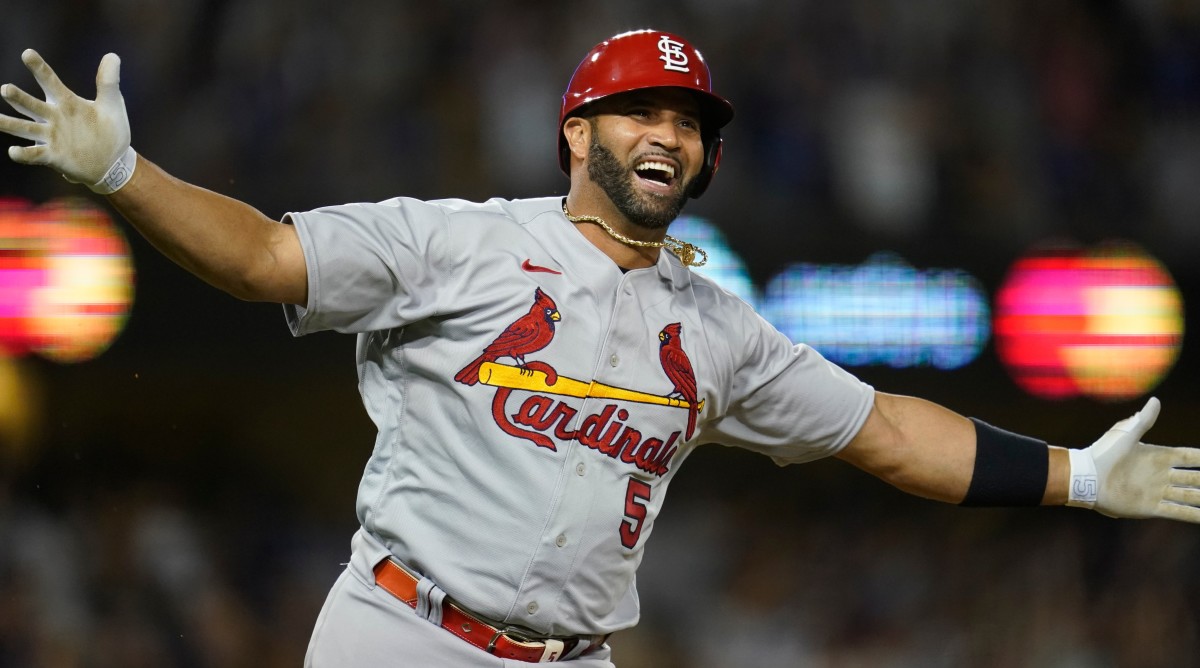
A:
(225, 242)
(930, 451)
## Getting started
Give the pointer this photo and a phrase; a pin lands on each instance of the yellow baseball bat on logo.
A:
(533, 380)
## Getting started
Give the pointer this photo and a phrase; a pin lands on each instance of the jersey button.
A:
(532, 608)
(561, 540)
(580, 468)
(614, 360)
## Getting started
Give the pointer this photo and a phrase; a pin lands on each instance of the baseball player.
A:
(539, 369)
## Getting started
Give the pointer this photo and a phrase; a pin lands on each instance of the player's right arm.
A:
(225, 242)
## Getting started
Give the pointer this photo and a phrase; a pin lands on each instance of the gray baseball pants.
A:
(363, 625)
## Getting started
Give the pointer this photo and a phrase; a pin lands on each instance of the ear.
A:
(578, 133)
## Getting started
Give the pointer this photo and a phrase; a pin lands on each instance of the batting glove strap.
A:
(118, 174)
(1085, 483)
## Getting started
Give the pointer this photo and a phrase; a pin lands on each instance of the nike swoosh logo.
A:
(529, 266)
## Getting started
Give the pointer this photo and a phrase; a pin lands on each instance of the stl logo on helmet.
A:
(672, 56)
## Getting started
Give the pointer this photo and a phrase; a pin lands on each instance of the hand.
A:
(1120, 476)
(84, 140)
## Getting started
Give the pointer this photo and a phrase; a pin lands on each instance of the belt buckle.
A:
(553, 650)
(491, 646)
(512, 633)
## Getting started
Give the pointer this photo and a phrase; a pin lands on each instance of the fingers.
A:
(1146, 417)
(1182, 495)
(1187, 457)
(108, 78)
(1181, 498)
(25, 103)
(1174, 511)
(19, 127)
(1184, 478)
(46, 78)
(29, 155)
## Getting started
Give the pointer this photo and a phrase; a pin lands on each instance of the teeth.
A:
(657, 166)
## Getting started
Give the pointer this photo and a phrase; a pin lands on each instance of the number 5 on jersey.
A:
(636, 496)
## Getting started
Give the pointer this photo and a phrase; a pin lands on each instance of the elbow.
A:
(910, 469)
(268, 291)
(245, 286)
(912, 478)
(925, 462)
(245, 293)
(244, 282)
(267, 279)
(889, 465)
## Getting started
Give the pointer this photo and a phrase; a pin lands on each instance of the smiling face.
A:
(645, 151)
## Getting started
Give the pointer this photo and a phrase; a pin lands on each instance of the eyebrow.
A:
(689, 108)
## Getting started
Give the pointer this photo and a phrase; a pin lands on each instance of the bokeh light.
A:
(66, 280)
(21, 272)
(724, 265)
(883, 312)
(21, 408)
(1106, 323)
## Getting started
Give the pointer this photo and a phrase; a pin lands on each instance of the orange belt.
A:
(504, 643)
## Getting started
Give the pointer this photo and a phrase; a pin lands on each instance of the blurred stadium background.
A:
(179, 491)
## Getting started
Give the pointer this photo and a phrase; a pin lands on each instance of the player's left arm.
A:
(925, 449)
(933, 452)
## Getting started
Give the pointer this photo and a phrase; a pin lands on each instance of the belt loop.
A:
(553, 651)
(581, 645)
(429, 601)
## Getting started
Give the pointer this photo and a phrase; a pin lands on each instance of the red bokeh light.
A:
(1105, 323)
(66, 279)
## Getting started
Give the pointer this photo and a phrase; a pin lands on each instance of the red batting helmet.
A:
(648, 59)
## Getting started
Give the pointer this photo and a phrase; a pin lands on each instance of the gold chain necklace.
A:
(683, 250)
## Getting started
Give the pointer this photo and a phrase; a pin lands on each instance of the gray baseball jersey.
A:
(533, 401)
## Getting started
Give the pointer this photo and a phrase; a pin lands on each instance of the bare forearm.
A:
(928, 450)
(916, 446)
(227, 243)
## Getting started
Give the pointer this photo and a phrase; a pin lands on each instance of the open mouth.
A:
(656, 173)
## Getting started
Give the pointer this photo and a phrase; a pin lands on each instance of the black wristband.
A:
(1010, 469)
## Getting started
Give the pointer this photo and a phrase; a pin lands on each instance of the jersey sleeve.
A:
(789, 402)
(371, 266)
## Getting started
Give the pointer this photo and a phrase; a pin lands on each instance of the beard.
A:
(653, 212)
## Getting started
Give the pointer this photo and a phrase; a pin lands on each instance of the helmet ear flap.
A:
(712, 160)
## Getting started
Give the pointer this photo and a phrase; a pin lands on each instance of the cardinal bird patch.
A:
(528, 334)
(678, 367)
(532, 402)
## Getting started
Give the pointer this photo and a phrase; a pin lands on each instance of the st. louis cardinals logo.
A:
(672, 56)
(540, 418)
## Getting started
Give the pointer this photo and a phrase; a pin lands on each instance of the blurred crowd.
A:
(130, 565)
(947, 131)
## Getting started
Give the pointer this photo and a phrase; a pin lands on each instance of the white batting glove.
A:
(87, 141)
(1120, 476)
